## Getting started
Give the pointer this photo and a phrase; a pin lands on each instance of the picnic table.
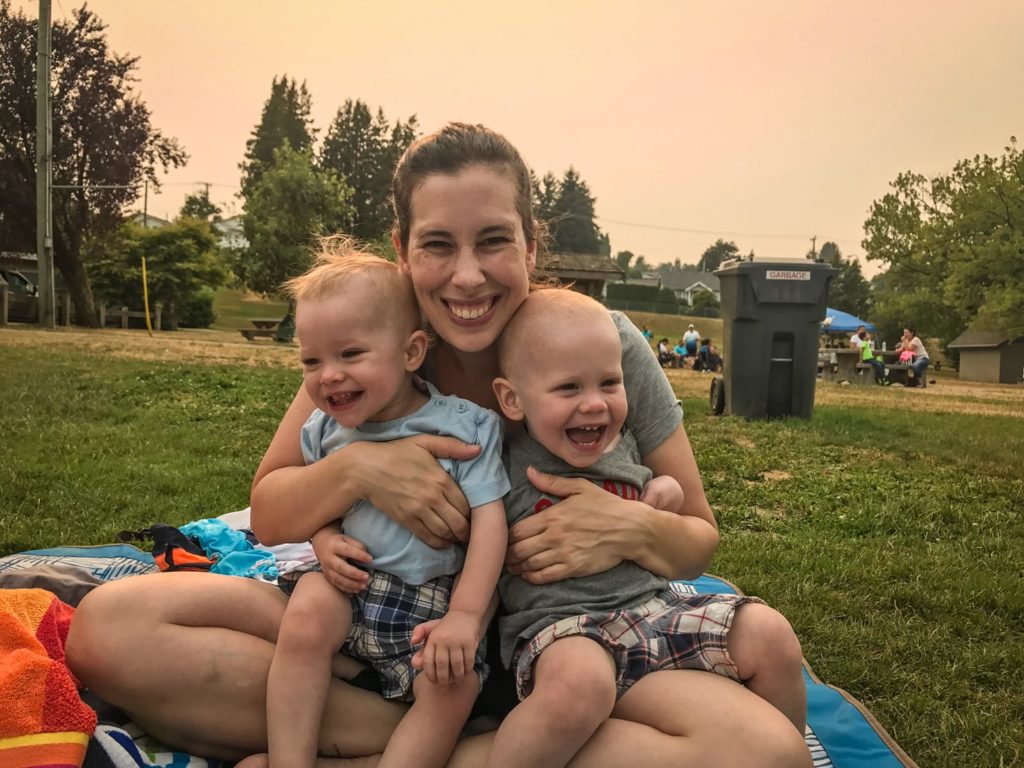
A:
(846, 364)
(264, 328)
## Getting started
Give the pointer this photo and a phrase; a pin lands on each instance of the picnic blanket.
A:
(841, 732)
(43, 720)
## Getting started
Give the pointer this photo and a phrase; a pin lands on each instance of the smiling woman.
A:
(466, 235)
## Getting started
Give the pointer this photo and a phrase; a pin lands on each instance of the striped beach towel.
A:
(43, 721)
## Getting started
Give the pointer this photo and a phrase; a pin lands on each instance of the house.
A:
(989, 356)
(148, 220)
(587, 271)
(686, 282)
(231, 234)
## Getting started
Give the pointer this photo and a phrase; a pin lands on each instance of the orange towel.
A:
(43, 721)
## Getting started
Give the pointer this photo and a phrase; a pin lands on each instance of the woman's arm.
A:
(291, 501)
(591, 530)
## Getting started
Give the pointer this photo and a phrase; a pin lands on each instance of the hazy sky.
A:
(765, 123)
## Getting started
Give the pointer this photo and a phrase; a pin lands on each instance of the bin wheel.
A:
(718, 396)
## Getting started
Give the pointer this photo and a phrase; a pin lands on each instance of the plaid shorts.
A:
(383, 618)
(669, 631)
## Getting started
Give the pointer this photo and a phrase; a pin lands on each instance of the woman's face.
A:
(468, 255)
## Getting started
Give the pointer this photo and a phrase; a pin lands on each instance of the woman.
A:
(466, 234)
(910, 342)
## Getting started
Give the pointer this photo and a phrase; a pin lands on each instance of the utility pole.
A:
(44, 174)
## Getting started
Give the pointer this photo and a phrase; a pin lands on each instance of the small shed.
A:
(587, 271)
(989, 356)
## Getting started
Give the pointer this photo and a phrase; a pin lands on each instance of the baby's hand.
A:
(663, 492)
(335, 551)
(449, 652)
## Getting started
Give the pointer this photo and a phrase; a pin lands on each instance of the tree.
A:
(954, 247)
(286, 210)
(198, 205)
(714, 255)
(285, 120)
(363, 149)
(181, 264)
(567, 207)
(623, 258)
(849, 291)
(705, 304)
(104, 146)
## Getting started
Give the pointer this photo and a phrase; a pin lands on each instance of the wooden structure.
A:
(588, 272)
(989, 356)
(264, 329)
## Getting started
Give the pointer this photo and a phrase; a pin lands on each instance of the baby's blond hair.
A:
(338, 261)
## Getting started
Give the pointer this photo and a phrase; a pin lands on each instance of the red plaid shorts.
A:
(669, 631)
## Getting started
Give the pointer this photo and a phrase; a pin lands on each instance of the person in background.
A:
(647, 333)
(919, 355)
(708, 358)
(681, 355)
(867, 355)
(665, 355)
(691, 339)
(855, 339)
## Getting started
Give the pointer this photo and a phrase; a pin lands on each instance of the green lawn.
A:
(234, 308)
(887, 528)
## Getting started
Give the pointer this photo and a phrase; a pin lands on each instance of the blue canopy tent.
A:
(837, 321)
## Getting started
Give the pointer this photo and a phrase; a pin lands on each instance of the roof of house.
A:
(149, 220)
(688, 276)
(971, 339)
(587, 266)
(652, 281)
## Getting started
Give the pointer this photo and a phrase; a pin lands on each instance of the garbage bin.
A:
(771, 310)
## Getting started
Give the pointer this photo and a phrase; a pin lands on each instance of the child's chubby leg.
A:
(427, 734)
(768, 659)
(573, 693)
(315, 624)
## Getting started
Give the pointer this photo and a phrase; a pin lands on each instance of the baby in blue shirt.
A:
(361, 342)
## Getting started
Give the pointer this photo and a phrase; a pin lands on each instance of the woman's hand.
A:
(403, 480)
(588, 532)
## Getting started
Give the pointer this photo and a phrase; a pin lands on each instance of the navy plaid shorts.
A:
(383, 618)
(669, 631)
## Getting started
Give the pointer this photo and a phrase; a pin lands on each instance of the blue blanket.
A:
(841, 733)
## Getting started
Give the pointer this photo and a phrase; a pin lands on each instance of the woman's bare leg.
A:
(678, 719)
(188, 654)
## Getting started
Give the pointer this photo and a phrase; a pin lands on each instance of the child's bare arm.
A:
(663, 492)
(452, 643)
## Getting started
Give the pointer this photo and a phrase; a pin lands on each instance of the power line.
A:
(688, 230)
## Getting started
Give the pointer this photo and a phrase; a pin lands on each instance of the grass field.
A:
(887, 528)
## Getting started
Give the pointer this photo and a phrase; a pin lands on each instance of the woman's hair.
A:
(450, 150)
(911, 329)
(339, 260)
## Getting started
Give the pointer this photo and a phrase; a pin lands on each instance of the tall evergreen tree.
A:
(285, 120)
(363, 149)
(574, 229)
